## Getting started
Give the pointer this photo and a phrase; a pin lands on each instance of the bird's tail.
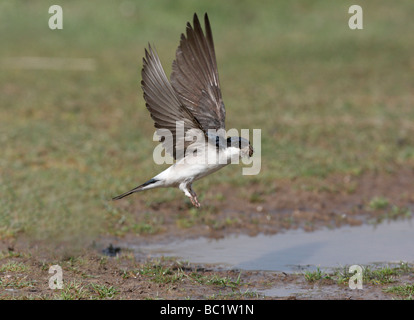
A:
(136, 189)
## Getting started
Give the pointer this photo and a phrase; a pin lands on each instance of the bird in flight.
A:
(189, 105)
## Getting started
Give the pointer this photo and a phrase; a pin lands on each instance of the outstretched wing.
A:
(195, 76)
(165, 107)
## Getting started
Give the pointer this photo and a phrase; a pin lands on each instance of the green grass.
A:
(159, 272)
(104, 291)
(13, 275)
(377, 275)
(16, 282)
(12, 266)
(372, 274)
(78, 290)
(318, 274)
(393, 213)
(328, 100)
(216, 280)
(387, 210)
(405, 291)
(73, 290)
(378, 203)
(235, 295)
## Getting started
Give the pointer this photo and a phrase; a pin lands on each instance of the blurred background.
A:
(74, 130)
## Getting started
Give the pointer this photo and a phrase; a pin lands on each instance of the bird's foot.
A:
(195, 202)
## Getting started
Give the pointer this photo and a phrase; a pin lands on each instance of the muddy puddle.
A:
(296, 250)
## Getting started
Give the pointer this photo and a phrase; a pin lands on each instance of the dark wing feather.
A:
(164, 105)
(195, 76)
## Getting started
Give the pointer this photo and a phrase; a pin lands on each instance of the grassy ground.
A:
(26, 276)
(328, 100)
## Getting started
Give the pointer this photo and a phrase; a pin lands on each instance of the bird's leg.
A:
(189, 192)
(194, 199)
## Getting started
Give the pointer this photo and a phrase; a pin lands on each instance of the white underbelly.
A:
(194, 168)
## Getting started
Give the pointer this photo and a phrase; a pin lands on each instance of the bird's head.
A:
(241, 146)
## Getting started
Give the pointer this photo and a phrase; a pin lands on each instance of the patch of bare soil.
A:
(90, 274)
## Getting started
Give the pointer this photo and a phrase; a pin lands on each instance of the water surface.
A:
(289, 251)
